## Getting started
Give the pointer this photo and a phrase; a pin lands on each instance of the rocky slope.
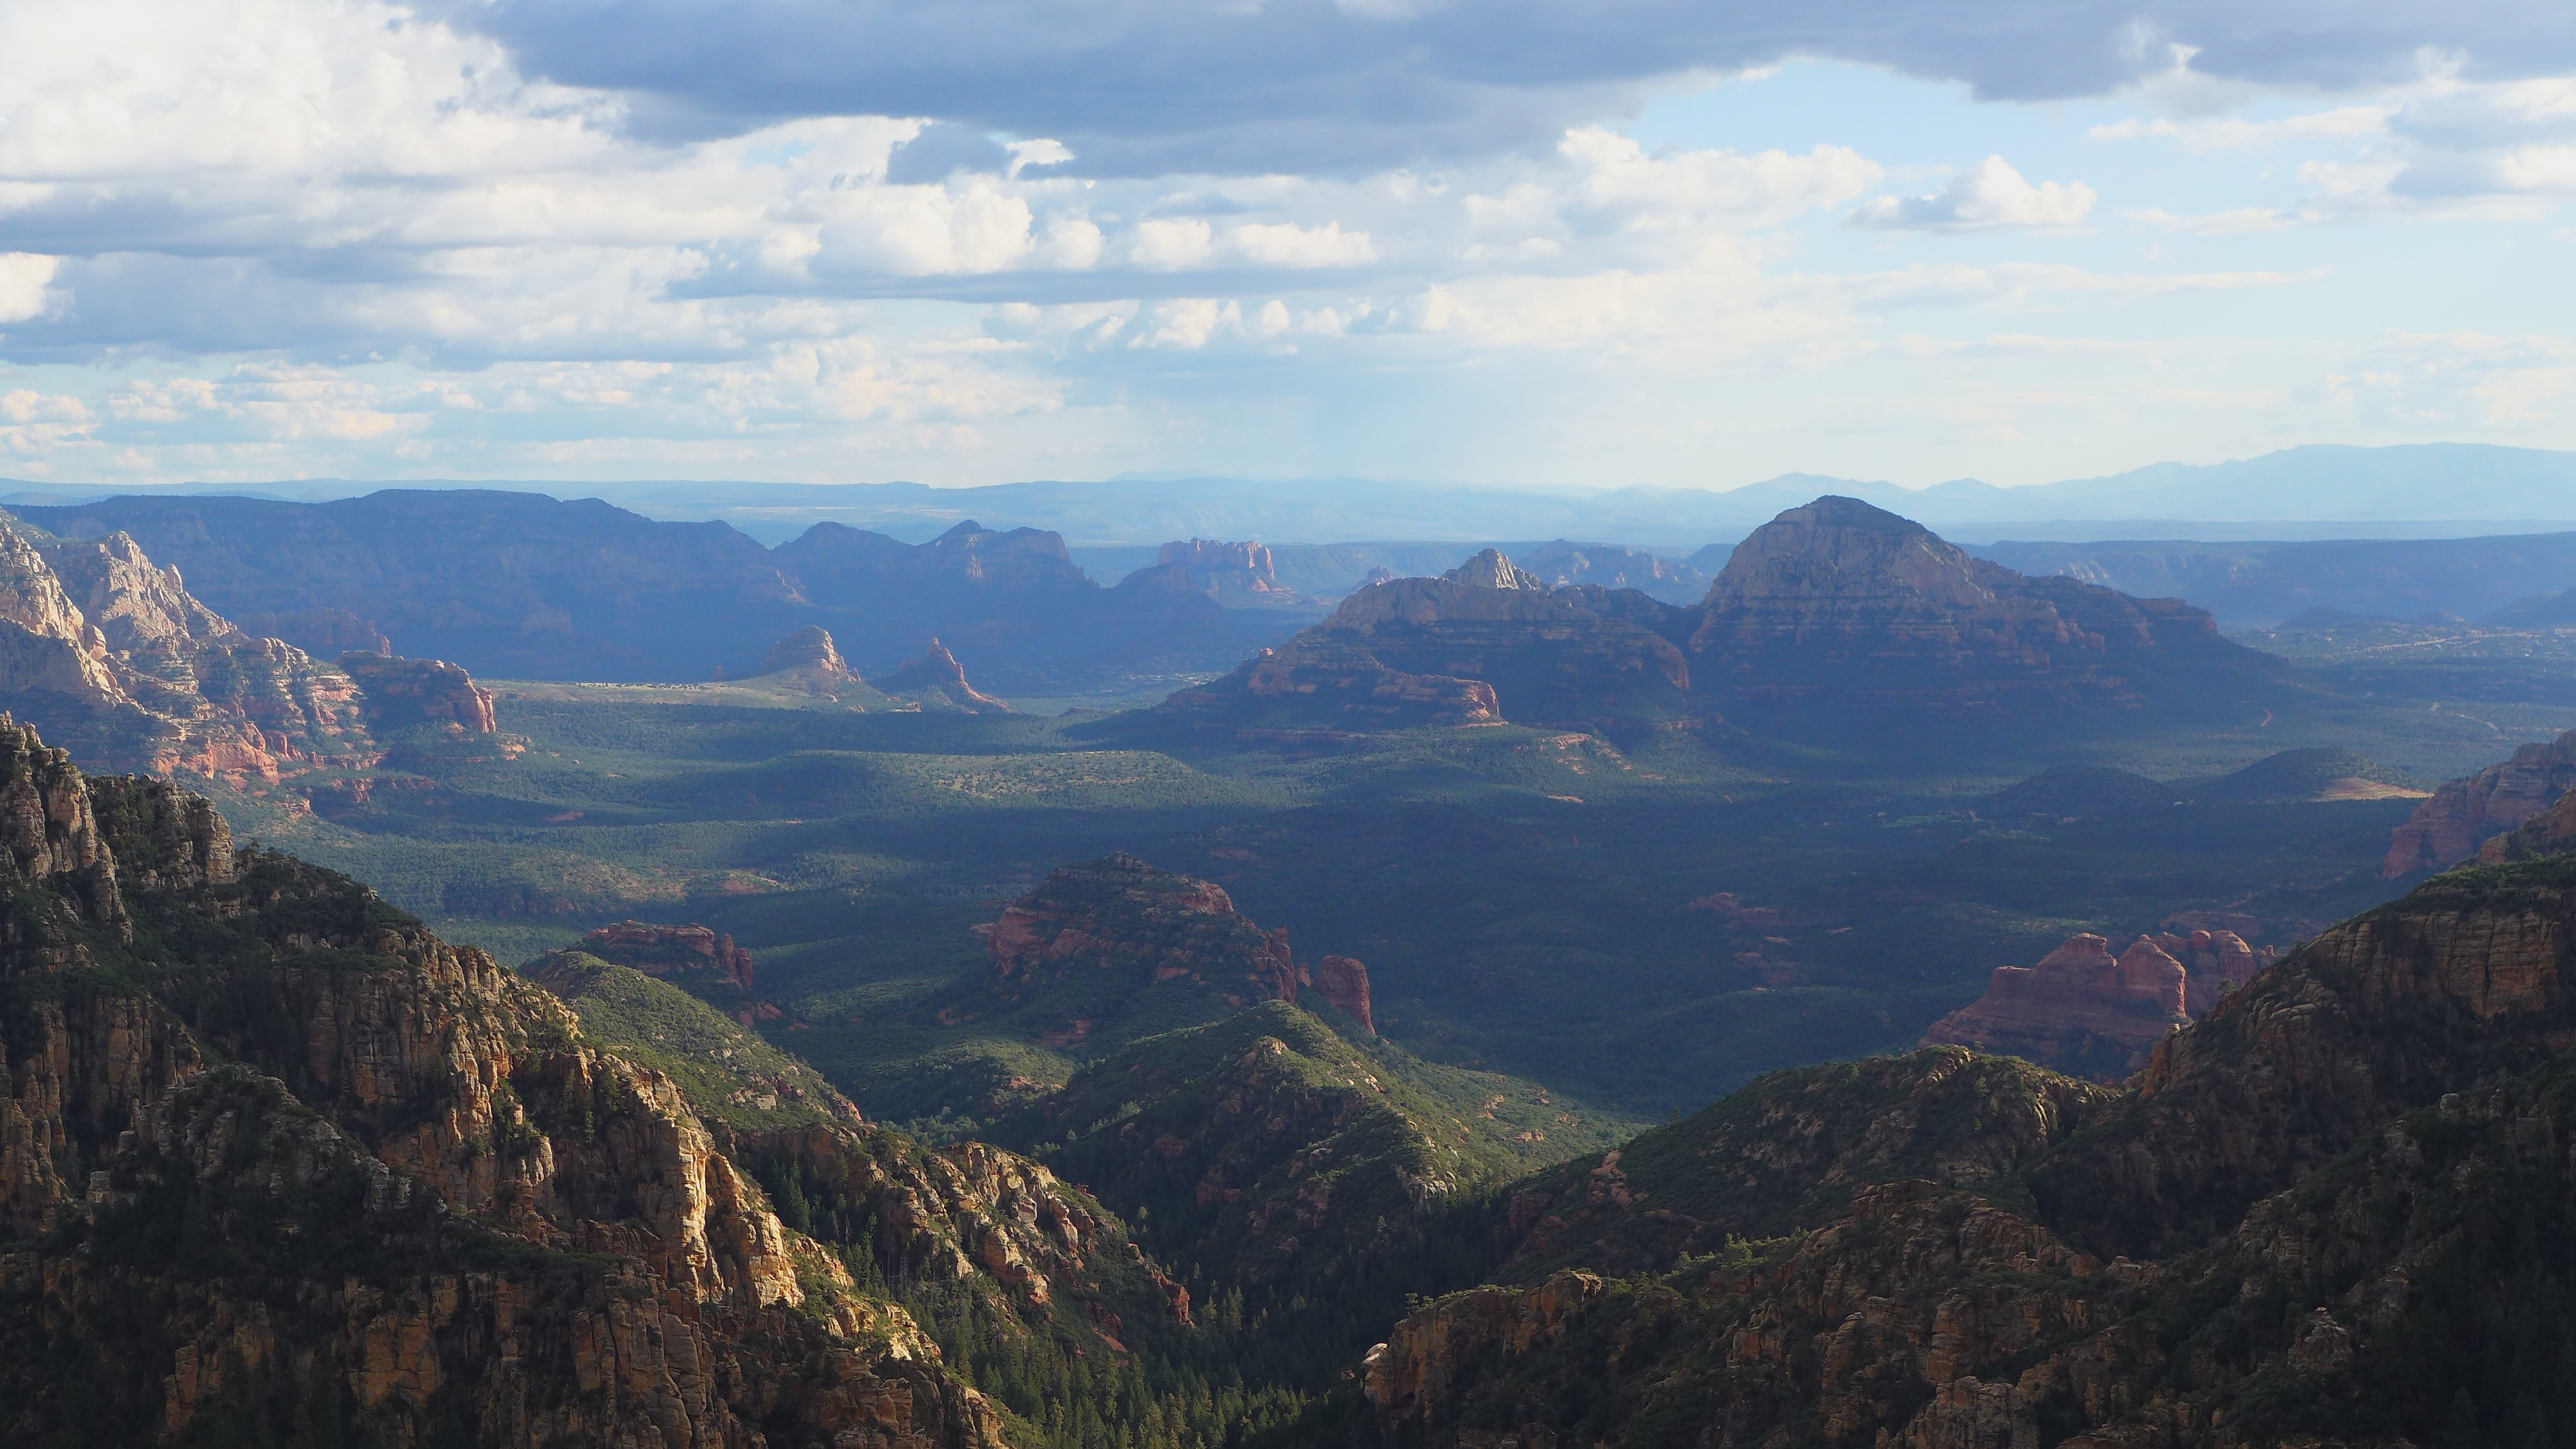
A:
(1835, 617)
(111, 654)
(1842, 604)
(1117, 947)
(276, 1162)
(2324, 1215)
(2463, 814)
(1483, 642)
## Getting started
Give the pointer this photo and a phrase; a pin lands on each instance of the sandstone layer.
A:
(2463, 814)
(2088, 1013)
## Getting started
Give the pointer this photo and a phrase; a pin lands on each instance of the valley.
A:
(1176, 1074)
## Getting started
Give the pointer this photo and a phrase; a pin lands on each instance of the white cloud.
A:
(25, 285)
(2199, 137)
(2237, 221)
(1991, 197)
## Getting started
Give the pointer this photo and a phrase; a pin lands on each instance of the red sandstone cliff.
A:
(672, 952)
(402, 693)
(2085, 1012)
(2448, 828)
(938, 673)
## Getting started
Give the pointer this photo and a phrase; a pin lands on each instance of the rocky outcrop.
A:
(412, 1200)
(407, 693)
(112, 656)
(691, 953)
(2449, 827)
(809, 658)
(1562, 565)
(1145, 926)
(1421, 1367)
(1343, 981)
(1238, 575)
(938, 675)
(2081, 1010)
(1485, 641)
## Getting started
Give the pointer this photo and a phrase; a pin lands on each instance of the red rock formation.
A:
(1240, 574)
(404, 692)
(1484, 642)
(1155, 928)
(672, 952)
(1343, 981)
(939, 672)
(2086, 1013)
(2080, 1010)
(2447, 828)
(809, 657)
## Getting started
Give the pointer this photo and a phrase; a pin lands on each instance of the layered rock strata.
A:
(2449, 827)
(1486, 641)
(810, 658)
(405, 693)
(686, 952)
(111, 655)
(2084, 1011)
(1239, 575)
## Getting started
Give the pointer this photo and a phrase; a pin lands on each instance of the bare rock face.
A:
(1343, 981)
(810, 649)
(111, 655)
(1240, 575)
(462, 1220)
(2081, 1010)
(672, 952)
(2449, 827)
(405, 692)
(1486, 641)
(937, 673)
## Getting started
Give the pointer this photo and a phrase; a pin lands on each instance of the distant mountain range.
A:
(2418, 490)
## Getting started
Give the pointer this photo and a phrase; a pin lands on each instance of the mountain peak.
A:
(1491, 570)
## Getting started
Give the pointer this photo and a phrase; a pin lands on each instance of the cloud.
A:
(1145, 87)
(2237, 221)
(25, 285)
(1990, 198)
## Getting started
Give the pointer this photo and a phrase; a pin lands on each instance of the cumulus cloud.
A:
(25, 285)
(1991, 197)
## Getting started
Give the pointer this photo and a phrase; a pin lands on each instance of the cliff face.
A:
(2324, 1216)
(1238, 575)
(1485, 641)
(938, 677)
(414, 1200)
(2449, 827)
(403, 693)
(2084, 1011)
(112, 656)
(689, 952)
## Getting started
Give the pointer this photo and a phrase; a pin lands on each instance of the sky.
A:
(1547, 242)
